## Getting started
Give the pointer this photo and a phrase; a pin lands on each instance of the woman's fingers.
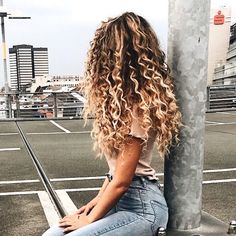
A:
(63, 224)
(67, 229)
(65, 218)
(69, 218)
(81, 210)
(87, 209)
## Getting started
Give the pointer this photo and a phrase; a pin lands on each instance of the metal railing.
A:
(41, 105)
(64, 105)
(221, 98)
(221, 73)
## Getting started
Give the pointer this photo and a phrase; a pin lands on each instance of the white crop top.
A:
(144, 164)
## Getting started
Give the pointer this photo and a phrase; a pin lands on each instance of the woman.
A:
(130, 94)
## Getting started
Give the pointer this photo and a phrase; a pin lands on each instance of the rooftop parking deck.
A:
(64, 149)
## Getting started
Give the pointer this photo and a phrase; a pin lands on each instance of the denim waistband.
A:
(144, 181)
(138, 178)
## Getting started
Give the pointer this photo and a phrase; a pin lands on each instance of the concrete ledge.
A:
(210, 226)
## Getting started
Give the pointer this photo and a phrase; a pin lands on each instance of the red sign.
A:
(219, 19)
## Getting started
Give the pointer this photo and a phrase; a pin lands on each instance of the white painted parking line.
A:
(19, 193)
(3, 134)
(77, 178)
(228, 123)
(48, 208)
(213, 122)
(47, 133)
(52, 133)
(98, 177)
(19, 181)
(66, 201)
(226, 113)
(9, 149)
(81, 189)
(82, 132)
(87, 178)
(219, 170)
(59, 126)
(219, 181)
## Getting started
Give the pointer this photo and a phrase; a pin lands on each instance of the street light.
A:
(4, 13)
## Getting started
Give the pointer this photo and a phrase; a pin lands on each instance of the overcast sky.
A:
(65, 27)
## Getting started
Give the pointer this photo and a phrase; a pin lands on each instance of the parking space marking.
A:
(47, 133)
(219, 170)
(77, 178)
(48, 208)
(59, 126)
(81, 189)
(97, 177)
(226, 113)
(66, 201)
(9, 149)
(19, 181)
(227, 123)
(86, 189)
(19, 193)
(217, 181)
(3, 134)
(82, 132)
(213, 122)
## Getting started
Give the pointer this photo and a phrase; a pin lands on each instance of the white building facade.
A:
(219, 34)
(64, 83)
(226, 74)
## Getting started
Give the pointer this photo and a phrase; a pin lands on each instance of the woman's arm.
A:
(126, 165)
(125, 168)
(86, 208)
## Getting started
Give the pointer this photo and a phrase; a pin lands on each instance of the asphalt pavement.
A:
(64, 148)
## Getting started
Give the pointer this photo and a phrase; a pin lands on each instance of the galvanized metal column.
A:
(4, 14)
(187, 58)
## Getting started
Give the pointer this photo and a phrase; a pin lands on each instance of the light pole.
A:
(187, 58)
(3, 13)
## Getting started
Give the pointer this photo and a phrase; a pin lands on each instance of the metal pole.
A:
(4, 51)
(17, 106)
(208, 98)
(4, 61)
(187, 58)
(55, 105)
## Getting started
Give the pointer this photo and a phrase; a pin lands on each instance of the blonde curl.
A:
(125, 67)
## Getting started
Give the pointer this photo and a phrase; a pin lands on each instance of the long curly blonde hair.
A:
(125, 67)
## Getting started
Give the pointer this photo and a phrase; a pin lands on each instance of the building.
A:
(26, 62)
(50, 83)
(226, 74)
(219, 32)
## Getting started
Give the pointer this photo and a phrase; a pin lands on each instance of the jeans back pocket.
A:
(161, 215)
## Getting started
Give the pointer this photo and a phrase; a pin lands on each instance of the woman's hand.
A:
(78, 219)
(89, 206)
(72, 217)
(74, 222)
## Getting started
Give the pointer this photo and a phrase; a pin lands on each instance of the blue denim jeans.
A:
(139, 212)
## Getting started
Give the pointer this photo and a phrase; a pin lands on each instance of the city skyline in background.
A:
(67, 29)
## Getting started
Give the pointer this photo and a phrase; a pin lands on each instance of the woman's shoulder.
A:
(137, 124)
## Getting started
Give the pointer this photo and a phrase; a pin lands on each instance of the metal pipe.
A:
(208, 98)
(44, 179)
(17, 106)
(187, 58)
(55, 105)
(4, 50)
